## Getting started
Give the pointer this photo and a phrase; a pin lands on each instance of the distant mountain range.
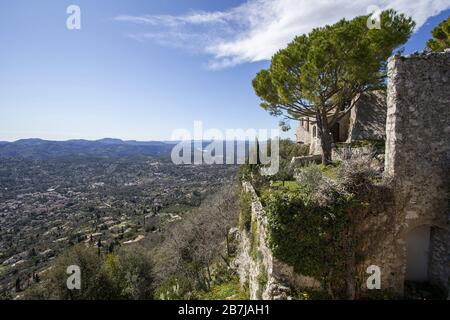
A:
(44, 149)
(39, 149)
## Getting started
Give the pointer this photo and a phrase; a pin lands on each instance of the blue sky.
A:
(141, 69)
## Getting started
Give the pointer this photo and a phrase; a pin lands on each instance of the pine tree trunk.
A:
(325, 138)
(326, 149)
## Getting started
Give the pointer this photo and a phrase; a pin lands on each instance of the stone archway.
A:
(427, 261)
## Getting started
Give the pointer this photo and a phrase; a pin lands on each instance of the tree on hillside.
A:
(322, 74)
(127, 274)
(441, 36)
(196, 245)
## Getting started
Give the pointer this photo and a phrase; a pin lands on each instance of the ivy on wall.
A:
(245, 216)
(308, 236)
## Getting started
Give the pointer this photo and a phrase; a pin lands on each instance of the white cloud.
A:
(255, 30)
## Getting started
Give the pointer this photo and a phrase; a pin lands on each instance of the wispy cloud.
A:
(255, 30)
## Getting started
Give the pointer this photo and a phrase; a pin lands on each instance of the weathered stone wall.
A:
(418, 156)
(366, 121)
(368, 118)
(266, 277)
(303, 132)
(415, 191)
(255, 260)
(315, 147)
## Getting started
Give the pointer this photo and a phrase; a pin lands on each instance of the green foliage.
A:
(316, 228)
(254, 239)
(377, 145)
(287, 150)
(441, 36)
(130, 272)
(262, 281)
(309, 177)
(93, 280)
(307, 236)
(230, 289)
(127, 275)
(326, 69)
(3, 270)
(330, 60)
(176, 288)
(329, 171)
(6, 295)
(290, 149)
(245, 216)
(310, 294)
(285, 171)
(288, 185)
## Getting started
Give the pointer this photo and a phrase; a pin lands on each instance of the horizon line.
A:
(127, 140)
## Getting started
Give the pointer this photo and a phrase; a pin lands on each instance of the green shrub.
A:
(329, 171)
(245, 216)
(316, 228)
(125, 275)
(288, 185)
(310, 294)
(254, 239)
(309, 177)
(377, 145)
(175, 288)
(308, 236)
(262, 282)
(227, 290)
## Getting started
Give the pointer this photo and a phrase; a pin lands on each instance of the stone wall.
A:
(255, 260)
(303, 132)
(415, 192)
(368, 118)
(315, 147)
(266, 277)
(366, 121)
(418, 157)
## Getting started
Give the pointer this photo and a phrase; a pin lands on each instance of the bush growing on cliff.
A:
(196, 244)
(176, 287)
(314, 228)
(306, 235)
(309, 177)
(245, 217)
(125, 275)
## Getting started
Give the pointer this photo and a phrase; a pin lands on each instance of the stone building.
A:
(407, 234)
(418, 161)
(366, 121)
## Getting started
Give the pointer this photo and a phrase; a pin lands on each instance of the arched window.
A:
(424, 255)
